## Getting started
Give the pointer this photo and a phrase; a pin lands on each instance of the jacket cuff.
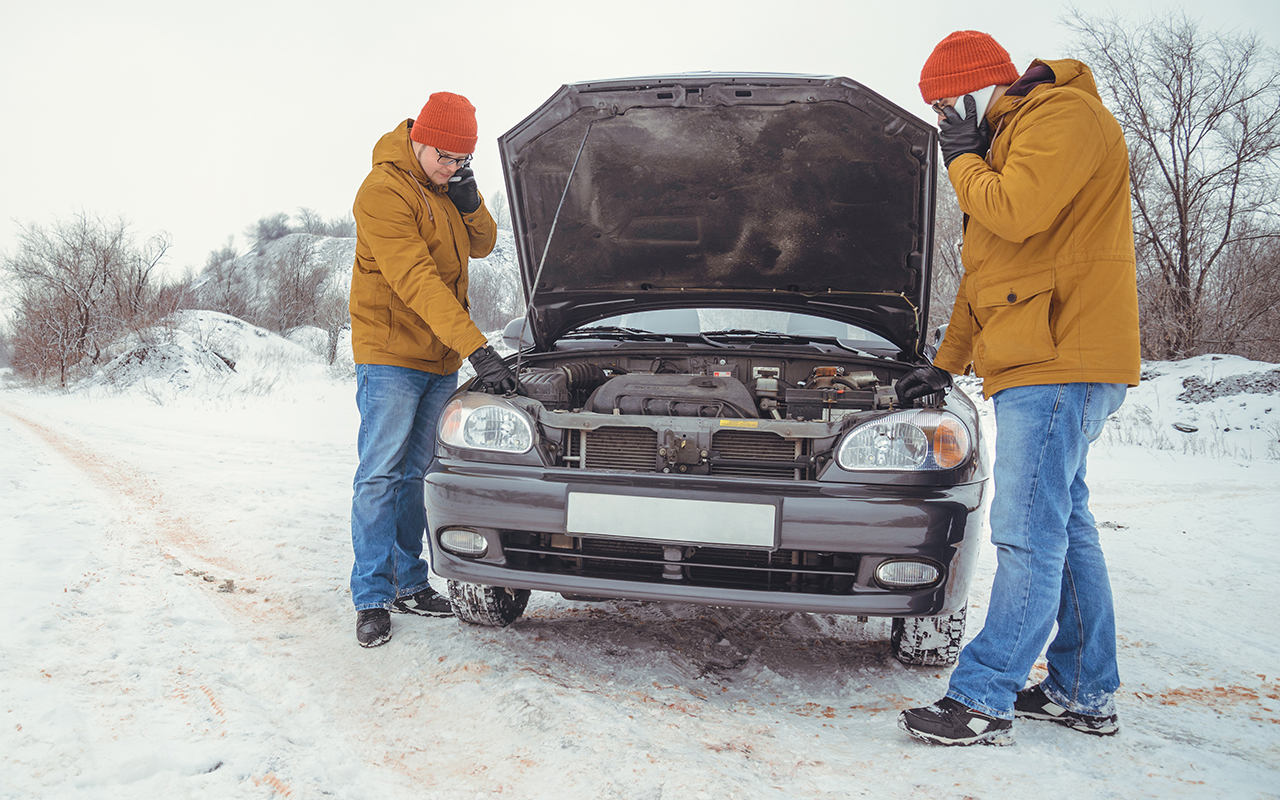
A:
(952, 363)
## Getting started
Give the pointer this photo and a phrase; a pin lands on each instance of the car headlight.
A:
(907, 441)
(484, 422)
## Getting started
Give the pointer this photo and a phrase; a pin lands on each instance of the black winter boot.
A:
(1033, 703)
(426, 602)
(373, 627)
(950, 722)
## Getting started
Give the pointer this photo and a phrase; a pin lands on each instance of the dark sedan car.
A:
(725, 276)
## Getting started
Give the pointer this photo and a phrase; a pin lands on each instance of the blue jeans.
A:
(399, 410)
(1049, 564)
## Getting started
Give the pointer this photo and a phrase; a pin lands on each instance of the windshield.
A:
(692, 321)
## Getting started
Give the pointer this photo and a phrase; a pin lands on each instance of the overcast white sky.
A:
(199, 119)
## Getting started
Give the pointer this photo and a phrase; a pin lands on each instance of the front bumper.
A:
(829, 540)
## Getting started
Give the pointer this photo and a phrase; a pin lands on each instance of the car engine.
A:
(826, 393)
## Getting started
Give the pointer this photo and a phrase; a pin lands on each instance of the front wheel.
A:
(494, 606)
(928, 641)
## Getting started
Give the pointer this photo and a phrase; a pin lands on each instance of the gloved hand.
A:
(492, 375)
(463, 191)
(959, 136)
(921, 381)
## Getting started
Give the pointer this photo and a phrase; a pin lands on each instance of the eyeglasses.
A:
(937, 105)
(450, 161)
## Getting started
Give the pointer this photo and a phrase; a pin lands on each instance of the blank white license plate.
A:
(667, 519)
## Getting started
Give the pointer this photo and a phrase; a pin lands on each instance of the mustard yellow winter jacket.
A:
(409, 282)
(1049, 293)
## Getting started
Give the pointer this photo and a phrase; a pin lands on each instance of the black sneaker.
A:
(1033, 703)
(425, 603)
(373, 627)
(950, 722)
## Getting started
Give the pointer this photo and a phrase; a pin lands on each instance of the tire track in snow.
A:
(138, 493)
(346, 689)
(218, 696)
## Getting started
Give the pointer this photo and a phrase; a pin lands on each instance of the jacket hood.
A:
(799, 193)
(394, 149)
(1067, 72)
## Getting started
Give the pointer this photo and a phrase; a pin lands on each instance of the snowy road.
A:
(179, 626)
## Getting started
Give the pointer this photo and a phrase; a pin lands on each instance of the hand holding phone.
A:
(960, 134)
(463, 191)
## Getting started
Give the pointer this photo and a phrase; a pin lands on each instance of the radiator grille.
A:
(756, 446)
(724, 567)
(625, 449)
(738, 454)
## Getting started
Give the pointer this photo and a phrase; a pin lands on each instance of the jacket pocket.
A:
(409, 336)
(1013, 313)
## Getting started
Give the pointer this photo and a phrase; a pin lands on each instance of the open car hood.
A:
(798, 193)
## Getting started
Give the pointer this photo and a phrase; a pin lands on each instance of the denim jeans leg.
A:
(1041, 444)
(399, 408)
(1083, 674)
(411, 512)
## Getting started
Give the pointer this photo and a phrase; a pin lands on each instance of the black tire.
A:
(493, 606)
(928, 641)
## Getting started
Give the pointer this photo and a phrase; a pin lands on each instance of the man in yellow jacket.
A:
(1047, 316)
(419, 218)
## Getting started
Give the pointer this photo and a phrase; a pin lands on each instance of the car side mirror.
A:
(517, 334)
(935, 341)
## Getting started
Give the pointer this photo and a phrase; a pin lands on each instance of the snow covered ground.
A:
(173, 569)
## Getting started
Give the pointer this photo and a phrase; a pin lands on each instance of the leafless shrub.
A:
(294, 282)
(1243, 303)
(311, 222)
(267, 230)
(79, 285)
(303, 291)
(224, 285)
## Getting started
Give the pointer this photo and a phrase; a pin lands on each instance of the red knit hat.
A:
(447, 121)
(963, 63)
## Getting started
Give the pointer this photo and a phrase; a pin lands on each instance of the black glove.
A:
(492, 375)
(921, 381)
(959, 136)
(463, 191)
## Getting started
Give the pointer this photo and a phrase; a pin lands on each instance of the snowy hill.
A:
(1222, 406)
(204, 354)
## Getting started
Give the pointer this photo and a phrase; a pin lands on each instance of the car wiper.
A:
(838, 342)
(788, 337)
(742, 332)
(614, 332)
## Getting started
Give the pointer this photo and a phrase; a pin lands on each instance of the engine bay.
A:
(806, 390)
(732, 414)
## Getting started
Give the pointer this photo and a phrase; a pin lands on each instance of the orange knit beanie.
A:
(964, 62)
(447, 121)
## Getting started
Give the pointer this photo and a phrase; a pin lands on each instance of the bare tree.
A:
(501, 212)
(267, 230)
(1201, 112)
(1243, 309)
(296, 282)
(493, 288)
(314, 224)
(6, 354)
(78, 286)
(947, 268)
(333, 314)
(224, 286)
